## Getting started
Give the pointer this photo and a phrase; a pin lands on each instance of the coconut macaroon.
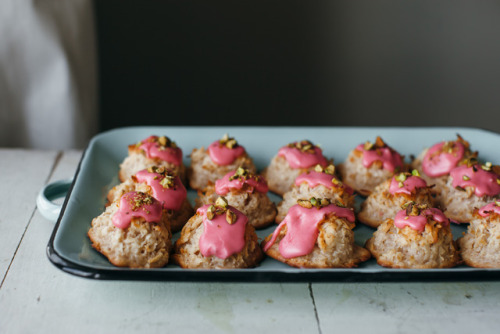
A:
(418, 238)
(133, 232)
(388, 197)
(436, 162)
(370, 164)
(218, 236)
(221, 157)
(316, 234)
(163, 185)
(319, 183)
(480, 247)
(244, 191)
(291, 161)
(469, 187)
(153, 151)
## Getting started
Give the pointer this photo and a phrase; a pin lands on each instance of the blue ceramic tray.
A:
(69, 248)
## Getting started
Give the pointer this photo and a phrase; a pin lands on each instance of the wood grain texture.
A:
(22, 174)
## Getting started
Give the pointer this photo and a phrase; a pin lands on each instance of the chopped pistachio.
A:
(415, 173)
(497, 203)
(163, 141)
(231, 143)
(404, 206)
(401, 184)
(465, 178)
(151, 169)
(400, 177)
(168, 181)
(314, 201)
(231, 217)
(336, 182)
(498, 181)
(330, 170)
(368, 146)
(340, 204)
(318, 168)
(324, 202)
(304, 203)
(221, 201)
(225, 138)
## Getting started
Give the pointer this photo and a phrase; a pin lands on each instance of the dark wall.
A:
(299, 62)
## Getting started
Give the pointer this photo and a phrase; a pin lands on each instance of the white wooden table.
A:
(36, 297)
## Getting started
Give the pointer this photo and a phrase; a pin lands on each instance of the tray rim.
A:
(293, 275)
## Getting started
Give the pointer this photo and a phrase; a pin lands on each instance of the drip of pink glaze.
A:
(171, 198)
(223, 155)
(314, 179)
(438, 163)
(153, 150)
(409, 185)
(220, 238)
(417, 223)
(486, 210)
(298, 159)
(483, 182)
(302, 229)
(126, 211)
(390, 159)
(224, 185)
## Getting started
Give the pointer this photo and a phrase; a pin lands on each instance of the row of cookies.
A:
(302, 148)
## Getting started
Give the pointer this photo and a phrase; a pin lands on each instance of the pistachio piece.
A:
(404, 206)
(400, 177)
(330, 170)
(163, 141)
(318, 168)
(231, 217)
(314, 201)
(304, 203)
(167, 181)
(465, 178)
(151, 169)
(415, 173)
(221, 201)
(497, 203)
(401, 184)
(325, 202)
(368, 146)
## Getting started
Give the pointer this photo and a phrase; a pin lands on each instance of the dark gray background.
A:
(299, 63)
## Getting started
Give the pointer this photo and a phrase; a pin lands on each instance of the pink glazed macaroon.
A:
(133, 232)
(163, 185)
(320, 183)
(480, 247)
(469, 187)
(370, 164)
(153, 151)
(316, 234)
(291, 161)
(435, 163)
(417, 237)
(218, 236)
(221, 157)
(388, 197)
(244, 191)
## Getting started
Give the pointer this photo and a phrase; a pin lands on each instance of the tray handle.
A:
(48, 194)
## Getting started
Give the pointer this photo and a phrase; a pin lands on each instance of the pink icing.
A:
(438, 163)
(417, 223)
(224, 185)
(314, 179)
(126, 211)
(484, 182)
(486, 210)
(171, 198)
(409, 185)
(390, 159)
(153, 150)
(302, 229)
(220, 238)
(223, 155)
(298, 159)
